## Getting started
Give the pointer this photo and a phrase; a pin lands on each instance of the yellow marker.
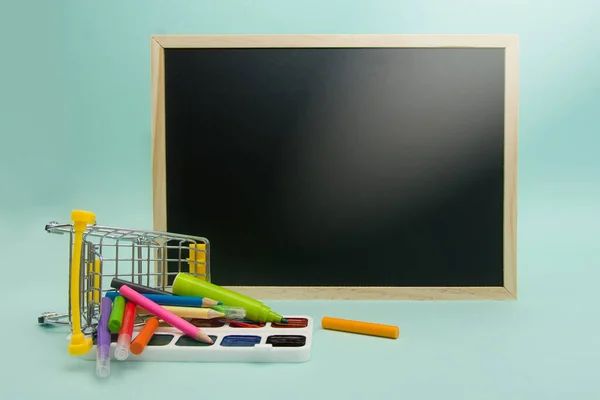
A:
(79, 344)
(197, 260)
(192, 259)
(94, 291)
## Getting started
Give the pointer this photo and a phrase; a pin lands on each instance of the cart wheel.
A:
(52, 318)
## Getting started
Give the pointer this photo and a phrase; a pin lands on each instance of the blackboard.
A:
(341, 166)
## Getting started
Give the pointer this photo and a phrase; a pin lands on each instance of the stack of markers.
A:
(191, 298)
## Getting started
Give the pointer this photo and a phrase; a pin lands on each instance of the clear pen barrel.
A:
(122, 348)
(103, 361)
(234, 312)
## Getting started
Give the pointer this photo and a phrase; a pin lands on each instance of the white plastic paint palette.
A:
(279, 343)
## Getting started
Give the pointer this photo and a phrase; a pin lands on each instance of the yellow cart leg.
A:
(79, 344)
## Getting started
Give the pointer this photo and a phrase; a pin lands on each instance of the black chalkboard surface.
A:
(358, 167)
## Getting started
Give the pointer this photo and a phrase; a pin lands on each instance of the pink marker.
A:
(167, 316)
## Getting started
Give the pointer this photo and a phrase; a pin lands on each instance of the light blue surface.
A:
(74, 77)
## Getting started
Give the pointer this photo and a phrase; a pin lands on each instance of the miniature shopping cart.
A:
(98, 254)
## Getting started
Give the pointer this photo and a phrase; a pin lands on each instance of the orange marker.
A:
(365, 328)
(142, 339)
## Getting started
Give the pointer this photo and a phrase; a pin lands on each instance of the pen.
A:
(117, 283)
(142, 339)
(231, 312)
(116, 315)
(103, 340)
(167, 316)
(124, 338)
(360, 327)
(187, 285)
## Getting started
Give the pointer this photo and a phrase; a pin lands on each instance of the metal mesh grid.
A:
(144, 257)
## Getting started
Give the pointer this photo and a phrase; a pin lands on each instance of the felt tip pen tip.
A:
(284, 321)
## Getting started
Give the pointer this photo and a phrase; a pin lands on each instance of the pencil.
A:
(170, 300)
(188, 312)
(167, 316)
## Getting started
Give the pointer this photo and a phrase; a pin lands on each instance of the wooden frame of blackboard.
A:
(507, 42)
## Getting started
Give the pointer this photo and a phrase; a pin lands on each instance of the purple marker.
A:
(103, 340)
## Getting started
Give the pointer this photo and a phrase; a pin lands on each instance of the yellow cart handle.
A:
(79, 344)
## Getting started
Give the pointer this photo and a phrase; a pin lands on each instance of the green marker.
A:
(116, 315)
(188, 285)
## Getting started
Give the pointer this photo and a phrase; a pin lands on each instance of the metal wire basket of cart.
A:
(98, 254)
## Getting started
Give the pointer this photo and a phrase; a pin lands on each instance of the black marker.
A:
(117, 283)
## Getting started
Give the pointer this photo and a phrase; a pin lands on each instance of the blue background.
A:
(75, 79)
